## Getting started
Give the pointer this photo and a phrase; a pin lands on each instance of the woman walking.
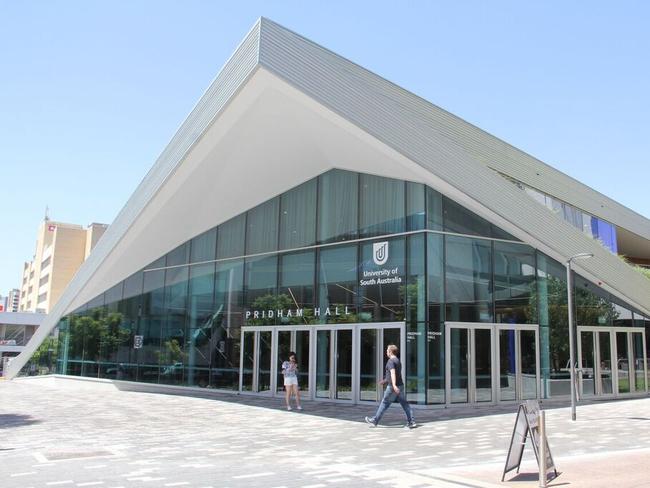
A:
(290, 372)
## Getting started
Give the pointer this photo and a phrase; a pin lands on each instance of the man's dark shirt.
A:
(393, 363)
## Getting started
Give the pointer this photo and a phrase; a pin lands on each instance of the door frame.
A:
(313, 329)
(613, 351)
(495, 358)
(381, 357)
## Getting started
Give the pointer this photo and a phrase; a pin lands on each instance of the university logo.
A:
(380, 252)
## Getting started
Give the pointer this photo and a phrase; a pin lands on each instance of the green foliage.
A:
(97, 334)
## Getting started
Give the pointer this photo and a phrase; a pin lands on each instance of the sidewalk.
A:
(79, 433)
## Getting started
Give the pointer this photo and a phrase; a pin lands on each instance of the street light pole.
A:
(572, 364)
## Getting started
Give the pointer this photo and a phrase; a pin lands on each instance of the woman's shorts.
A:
(291, 381)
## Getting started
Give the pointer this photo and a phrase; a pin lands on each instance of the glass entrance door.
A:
(470, 361)
(256, 353)
(350, 360)
(335, 362)
(489, 363)
(297, 340)
(373, 341)
(612, 361)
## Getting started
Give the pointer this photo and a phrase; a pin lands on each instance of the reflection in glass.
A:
(248, 368)
(639, 362)
(284, 347)
(507, 365)
(483, 364)
(415, 206)
(230, 237)
(302, 357)
(264, 364)
(343, 364)
(200, 324)
(337, 282)
(586, 362)
(468, 279)
(368, 374)
(605, 363)
(261, 281)
(381, 202)
(436, 363)
(323, 367)
(528, 352)
(622, 363)
(459, 356)
(296, 286)
(514, 283)
(298, 216)
(203, 247)
(337, 206)
(262, 227)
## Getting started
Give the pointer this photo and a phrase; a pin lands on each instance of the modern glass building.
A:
(309, 205)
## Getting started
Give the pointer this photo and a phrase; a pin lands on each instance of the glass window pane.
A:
(337, 282)
(178, 256)
(297, 287)
(415, 206)
(172, 346)
(158, 263)
(468, 279)
(298, 216)
(262, 227)
(133, 285)
(200, 324)
(230, 237)
(337, 206)
(381, 206)
(203, 247)
(434, 209)
(114, 294)
(460, 220)
(514, 283)
(261, 285)
(593, 305)
(228, 317)
(382, 281)
(150, 326)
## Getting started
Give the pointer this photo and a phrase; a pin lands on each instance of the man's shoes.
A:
(288, 408)
(298, 407)
(371, 421)
(411, 424)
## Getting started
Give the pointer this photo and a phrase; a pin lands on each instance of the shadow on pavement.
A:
(10, 420)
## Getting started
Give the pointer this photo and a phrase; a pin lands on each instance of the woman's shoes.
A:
(298, 407)
(288, 407)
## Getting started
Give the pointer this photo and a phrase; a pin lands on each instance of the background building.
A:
(60, 250)
(16, 329)
(13, 300)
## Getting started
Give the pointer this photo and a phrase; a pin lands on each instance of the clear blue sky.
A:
(91, 92)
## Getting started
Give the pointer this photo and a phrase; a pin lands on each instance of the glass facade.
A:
(589, 224)
(336, 255)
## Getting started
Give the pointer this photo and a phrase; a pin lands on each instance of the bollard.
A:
(542, 449)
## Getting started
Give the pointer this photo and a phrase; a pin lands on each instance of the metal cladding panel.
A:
(483, 146)
(241, 65)
(412, 127)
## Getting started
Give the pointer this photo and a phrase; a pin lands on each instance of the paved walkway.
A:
(72, 433)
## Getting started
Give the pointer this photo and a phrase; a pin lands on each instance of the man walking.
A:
(394, 387)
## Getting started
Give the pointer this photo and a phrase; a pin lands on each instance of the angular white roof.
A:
(283, 110)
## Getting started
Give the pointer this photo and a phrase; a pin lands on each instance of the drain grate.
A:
(63, 455)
